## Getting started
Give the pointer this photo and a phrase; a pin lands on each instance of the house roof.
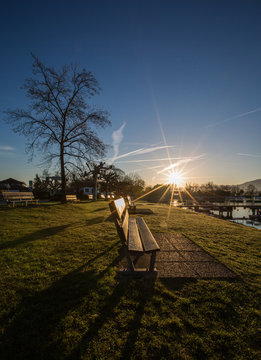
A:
(12, 181)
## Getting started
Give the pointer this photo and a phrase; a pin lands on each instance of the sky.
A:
(180, 79)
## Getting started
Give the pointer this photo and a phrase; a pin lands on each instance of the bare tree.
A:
(58, 122)
(110, 176)
(95, 171)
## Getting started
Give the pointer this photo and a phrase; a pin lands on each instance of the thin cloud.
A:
(234, 117)
(183, 161)
(250, 155)
(117, 137)
(6, 148)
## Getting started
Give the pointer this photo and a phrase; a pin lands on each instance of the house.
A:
(12, 184)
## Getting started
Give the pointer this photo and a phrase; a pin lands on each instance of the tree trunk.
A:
(63, 178)
(95, 187)
(106, 190)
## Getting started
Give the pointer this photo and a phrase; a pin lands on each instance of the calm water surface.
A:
(246, 222)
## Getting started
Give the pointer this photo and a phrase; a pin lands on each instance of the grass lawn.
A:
(61, 299)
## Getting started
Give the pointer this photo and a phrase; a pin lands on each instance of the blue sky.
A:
(186, 74)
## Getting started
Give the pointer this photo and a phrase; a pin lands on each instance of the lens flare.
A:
(175, 178)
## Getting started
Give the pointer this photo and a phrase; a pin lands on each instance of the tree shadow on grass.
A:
(109, 218)
(37, 235)
(177, 283)
(32, 330)
(100, 209)
(95, 221)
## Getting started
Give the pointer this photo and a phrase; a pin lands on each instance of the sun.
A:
(175, 178)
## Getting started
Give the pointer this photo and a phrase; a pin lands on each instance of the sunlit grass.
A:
(61, 299)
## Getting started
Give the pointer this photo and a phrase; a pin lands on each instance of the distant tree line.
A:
(201, 193)
(107, 178)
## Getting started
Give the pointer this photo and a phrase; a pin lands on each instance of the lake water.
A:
(246, 222)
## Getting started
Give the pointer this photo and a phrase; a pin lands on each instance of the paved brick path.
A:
(179, 257)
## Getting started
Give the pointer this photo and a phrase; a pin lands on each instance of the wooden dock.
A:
(224, 210)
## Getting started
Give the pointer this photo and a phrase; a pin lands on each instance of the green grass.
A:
(61, 299)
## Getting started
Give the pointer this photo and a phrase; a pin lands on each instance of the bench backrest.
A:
(16, 196)
(120, 207)
(71, 197)
(121, 217)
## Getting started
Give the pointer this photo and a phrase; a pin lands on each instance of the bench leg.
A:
(152, 261)
(132, 271)
(130, 262)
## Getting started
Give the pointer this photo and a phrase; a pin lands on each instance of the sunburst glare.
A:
(176, 178)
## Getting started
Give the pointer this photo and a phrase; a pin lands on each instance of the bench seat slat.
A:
(148, 240)
(134, 241)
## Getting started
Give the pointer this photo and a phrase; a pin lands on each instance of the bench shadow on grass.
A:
(32, 331)
(145, 291)
(37, 331)
(37, 235)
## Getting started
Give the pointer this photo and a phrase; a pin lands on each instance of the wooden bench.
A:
(132, 205)
(135, 236)
(19, 198)
(71, 198)
(133, 209)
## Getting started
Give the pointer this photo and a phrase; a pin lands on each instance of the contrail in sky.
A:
(184, 161)
(142, 151)
(117, 137)
(234, 117)
(149, 160)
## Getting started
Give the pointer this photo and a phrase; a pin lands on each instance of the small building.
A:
(87, 190)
